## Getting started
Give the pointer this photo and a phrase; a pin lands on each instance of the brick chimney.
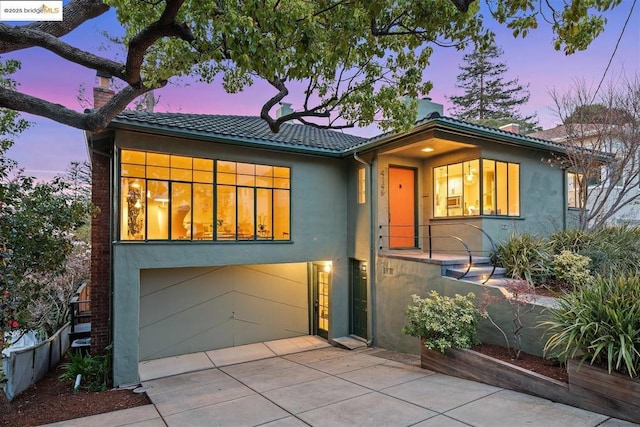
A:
(511, 127)
(103, 92)
(100, 284)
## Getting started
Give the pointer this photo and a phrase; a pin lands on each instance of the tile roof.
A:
(246, 128)
(254, 130)
(479, 130)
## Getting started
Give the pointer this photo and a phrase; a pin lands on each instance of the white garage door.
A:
(188, 310)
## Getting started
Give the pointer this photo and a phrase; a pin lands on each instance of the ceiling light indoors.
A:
(428, 149)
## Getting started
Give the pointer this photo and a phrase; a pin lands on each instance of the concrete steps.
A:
(479, 272)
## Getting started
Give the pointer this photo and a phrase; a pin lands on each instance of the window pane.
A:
(226, 212)
(226, 178)
(281, 215)
(488, 187)
(246, 169)
(158, 172)
(264, 205)
(203, 211)
(157, 159)
(129, 156)
(132, 211)
(264, 181)
(281, 183)
(572, 186)
(280, 172)
(264, 170)
(246, 213)
(501, 188)
(440, 184)
(471, 187)
(454, 187)
(246, 180)
(203, 164)
(181, 162)
(157, 210)
(132, 170)
(200, 176)
(229, 167)
(514, 189)
(180, 211)
(181, 175)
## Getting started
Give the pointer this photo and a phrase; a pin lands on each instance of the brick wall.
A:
(101, 95)
(100, 255)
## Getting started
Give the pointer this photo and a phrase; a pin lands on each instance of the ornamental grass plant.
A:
(600, 324)
(443, 322)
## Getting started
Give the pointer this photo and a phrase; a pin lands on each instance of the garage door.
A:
(188, 310)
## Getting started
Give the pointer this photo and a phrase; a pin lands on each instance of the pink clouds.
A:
(49, 146)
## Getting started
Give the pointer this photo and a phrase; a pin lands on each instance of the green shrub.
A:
(573, 240)
(95, 371)
(571, 269)
(614, 251)
(620, 247)
(599, 323)
(443, 322)
(524, 257)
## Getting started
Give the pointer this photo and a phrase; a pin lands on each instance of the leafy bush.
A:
(572, 269)
(524, 256)
(95, 371)
(613, 250)
(573, 240)
(443, 322)
(600, 323)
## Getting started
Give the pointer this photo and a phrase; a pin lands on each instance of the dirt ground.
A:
(542, 366)
(51, 400)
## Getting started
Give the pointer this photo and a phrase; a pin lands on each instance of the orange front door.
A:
(402, 208)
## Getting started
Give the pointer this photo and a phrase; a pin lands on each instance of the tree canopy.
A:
(354, 58)
(488, 98)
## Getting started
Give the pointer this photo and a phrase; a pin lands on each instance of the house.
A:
(214, 232)
(612, 192)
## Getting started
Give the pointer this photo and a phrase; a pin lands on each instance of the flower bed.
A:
(589, 387)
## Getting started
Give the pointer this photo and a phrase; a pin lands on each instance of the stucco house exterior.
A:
(604, 192)
(214, 232)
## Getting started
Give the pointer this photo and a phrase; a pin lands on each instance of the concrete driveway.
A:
(306, 382)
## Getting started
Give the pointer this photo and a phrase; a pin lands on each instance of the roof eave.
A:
(461, 129)
(223, 139)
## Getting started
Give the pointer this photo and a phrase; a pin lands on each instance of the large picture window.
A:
(477, 187)
(170, 197)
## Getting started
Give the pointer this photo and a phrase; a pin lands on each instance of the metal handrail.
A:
(468, 250)
(491, 241)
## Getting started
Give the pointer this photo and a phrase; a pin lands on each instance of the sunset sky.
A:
(47, 148)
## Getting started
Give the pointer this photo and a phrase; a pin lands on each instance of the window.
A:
(476, 187)
(573, 189)
(174, 197)
(362, 198)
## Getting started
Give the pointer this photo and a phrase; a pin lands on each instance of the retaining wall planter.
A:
(592, 392)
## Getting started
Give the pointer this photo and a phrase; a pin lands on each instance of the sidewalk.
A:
(305, 381)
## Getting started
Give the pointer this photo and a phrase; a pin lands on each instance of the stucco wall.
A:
(399, 279)
(318, 222)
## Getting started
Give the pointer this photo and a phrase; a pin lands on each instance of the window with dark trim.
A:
(171, 197)
(477, 187)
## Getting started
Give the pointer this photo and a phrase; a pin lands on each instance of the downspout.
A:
(565, 199)
(372, 251)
